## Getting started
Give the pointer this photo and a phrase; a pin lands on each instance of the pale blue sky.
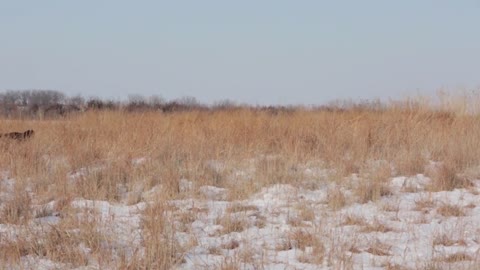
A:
(265, 52)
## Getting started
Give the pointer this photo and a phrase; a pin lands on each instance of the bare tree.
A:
(156, 101)
(45, 98)
(188, 101)
(11, 97)
(77, 100)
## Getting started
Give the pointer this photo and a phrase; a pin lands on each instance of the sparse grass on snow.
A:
(394, 187)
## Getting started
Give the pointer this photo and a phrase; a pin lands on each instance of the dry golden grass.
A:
(161, 248)
(16, 210)
(336, 199)
(232, 244)
(352, 220)
(232, 223)
(230, 264)
(179, 145)
(315, 256)
(302, 239)
(448, 210)
(235, 208)
(62, 242)
(379, 249)
(306, 213)
(446, 240)
(391, 266)
(311, 245)
(376, 226)
(424, 204)
(457, 257)
(445, 177)
(91, 156)
(376, 187)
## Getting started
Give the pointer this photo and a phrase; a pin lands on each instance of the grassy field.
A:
(70, 196)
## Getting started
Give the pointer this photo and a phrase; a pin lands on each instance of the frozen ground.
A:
(295, 227)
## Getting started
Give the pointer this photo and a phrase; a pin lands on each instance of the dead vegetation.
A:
(448, 210)
(93, 155)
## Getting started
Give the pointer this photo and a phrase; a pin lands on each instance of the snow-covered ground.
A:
(287, 226)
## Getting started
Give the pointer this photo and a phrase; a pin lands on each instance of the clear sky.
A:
(255, 51)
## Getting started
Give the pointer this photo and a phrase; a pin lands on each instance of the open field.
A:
(395, 187)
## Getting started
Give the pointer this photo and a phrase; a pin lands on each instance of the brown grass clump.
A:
(391, 207)
(424, 204)
(315, 255)
(445, 240)
(231, 223)
(306, 213)
(352, 220)
(64, 246)
(448, 210)
(64, 242)
(230, 264)
(302, 239)
(336, 198)
(377, 226)
(372, 191)
(373, 184)
(272, 169)
(392, 266)
(445, 177)
(379, 249)
(311, 245)
(232, 244)
(457, 257)
(161, 249)
(16, 210)
(236, 207)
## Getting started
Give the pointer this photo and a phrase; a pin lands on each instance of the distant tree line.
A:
(54, 104)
